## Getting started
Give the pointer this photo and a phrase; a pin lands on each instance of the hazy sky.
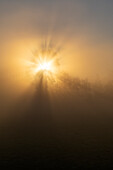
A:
(63, 118)
(83, 29)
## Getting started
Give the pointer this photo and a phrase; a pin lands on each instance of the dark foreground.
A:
(74, 134)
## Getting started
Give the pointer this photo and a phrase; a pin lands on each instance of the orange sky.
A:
(82, 30)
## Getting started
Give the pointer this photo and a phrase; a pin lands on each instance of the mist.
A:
(64, 119)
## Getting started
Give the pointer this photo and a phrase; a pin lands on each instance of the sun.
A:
(45, 66)
(45, 62)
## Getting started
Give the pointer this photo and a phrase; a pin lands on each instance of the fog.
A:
(55, 127)
(64, 120)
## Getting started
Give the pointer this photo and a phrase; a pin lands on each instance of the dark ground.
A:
(74, 134)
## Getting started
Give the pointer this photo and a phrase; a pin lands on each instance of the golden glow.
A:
(44, 65)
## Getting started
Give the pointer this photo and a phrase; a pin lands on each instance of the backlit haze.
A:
(80, 30)
(56, 73)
